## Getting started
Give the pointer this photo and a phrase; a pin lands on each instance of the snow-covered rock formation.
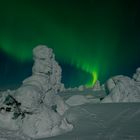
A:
(97, 85)
(35, 108)
(136, 76)
(123, 89)
(44, 83)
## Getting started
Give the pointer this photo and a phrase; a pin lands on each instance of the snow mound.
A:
(97, 85)
(123, 89)
(136, 76)
(77, 100)
(45, 123)
(34, 108)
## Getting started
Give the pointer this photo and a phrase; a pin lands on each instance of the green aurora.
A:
(85, 34)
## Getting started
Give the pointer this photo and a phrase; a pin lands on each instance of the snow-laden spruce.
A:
(123, 89)
(136, 76)
(34, 108)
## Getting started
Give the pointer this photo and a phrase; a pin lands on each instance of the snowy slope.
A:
(120, 121)
(103, 122)
(86, 92)
(12, 135)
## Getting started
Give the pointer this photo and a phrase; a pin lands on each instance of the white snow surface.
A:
(95, 122)
(77, 100)
(103, 122)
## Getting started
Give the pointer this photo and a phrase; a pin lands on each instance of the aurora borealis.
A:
(91, 38)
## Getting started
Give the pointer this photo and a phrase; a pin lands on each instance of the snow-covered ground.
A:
(86, 92)
(112, 121)
(12, 135)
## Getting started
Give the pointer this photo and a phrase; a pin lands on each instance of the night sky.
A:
(92, 39)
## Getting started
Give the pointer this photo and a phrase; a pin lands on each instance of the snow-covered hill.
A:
(111, 121)
(42, 108)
